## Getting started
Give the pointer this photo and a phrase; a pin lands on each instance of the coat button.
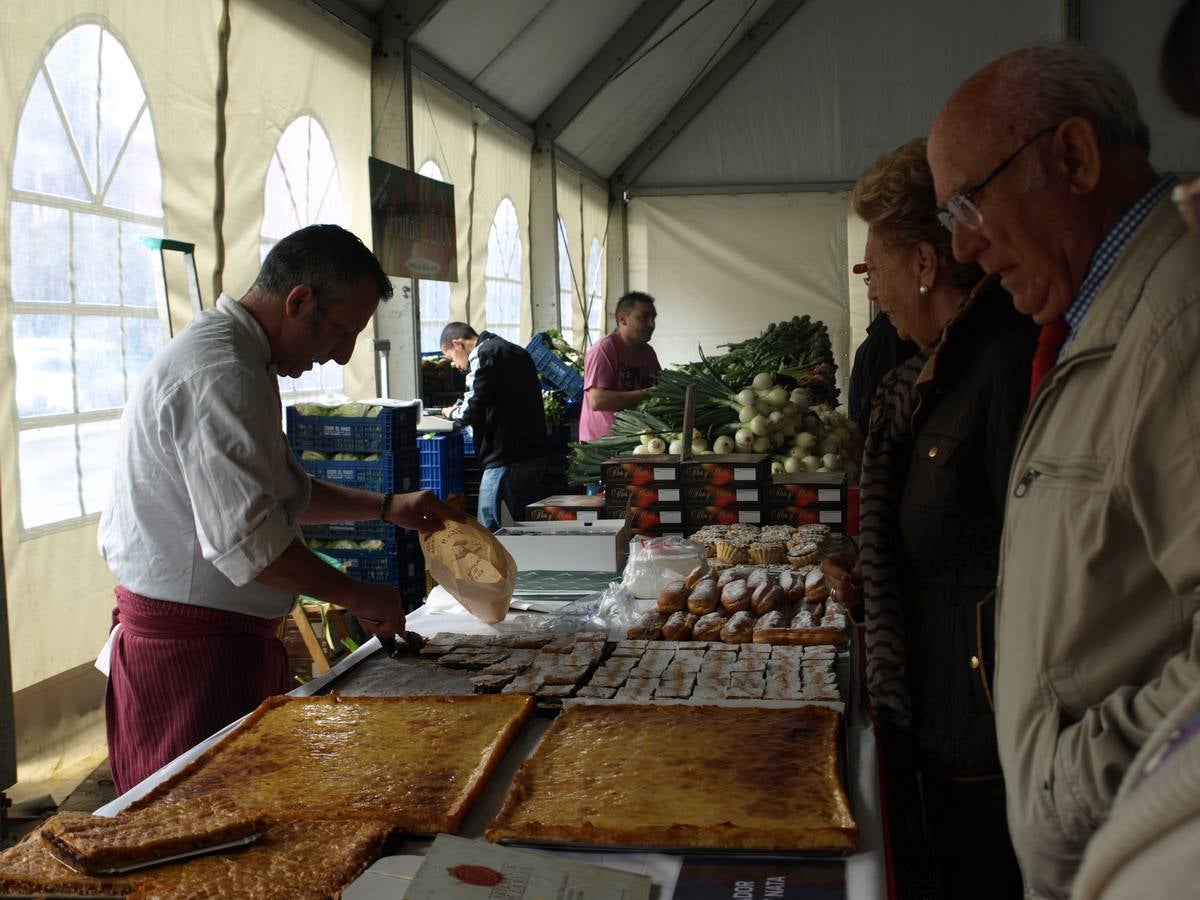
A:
(933, 452)
(974, 662)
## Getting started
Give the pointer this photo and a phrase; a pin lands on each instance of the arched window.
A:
(435, 295)
(502, 274)
(595, 293)
(302, 188)
(86, 188)
(565, 306)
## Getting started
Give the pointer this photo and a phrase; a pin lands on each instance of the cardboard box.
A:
(600, 546)
(803, 515)
(696, 516)
(720, 495)
(820, 490)
(640, 471)
(671, 519)
(620, 496)
(566, 508)
(728, 470)
(805, 498)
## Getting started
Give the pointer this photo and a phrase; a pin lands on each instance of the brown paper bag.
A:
(467, 560)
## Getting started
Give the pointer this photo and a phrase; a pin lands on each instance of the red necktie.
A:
(1053, 335)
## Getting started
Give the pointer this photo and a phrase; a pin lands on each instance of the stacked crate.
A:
(807, 497)
(472, 473)
(661, 495)
(442, 463)
(375, 454)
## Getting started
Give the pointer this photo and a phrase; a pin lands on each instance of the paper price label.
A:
(670, 517)
(831, 516)
(744, 474)
(749, 515)
(665, 474)
(829, 496)
(747, 495)
(668, 495)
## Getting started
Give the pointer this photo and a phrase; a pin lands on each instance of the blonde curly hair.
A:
(896, 198)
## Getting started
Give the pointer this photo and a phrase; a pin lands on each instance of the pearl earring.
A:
(924, 290)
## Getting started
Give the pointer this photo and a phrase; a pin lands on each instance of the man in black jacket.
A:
(503, 405)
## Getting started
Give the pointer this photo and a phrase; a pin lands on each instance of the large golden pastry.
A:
(94, 844)
(634, 775)
(293, 861)
(415, 762)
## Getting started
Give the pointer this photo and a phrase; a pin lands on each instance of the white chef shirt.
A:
(206, 491)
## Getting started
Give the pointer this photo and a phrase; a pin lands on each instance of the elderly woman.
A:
(939, 447)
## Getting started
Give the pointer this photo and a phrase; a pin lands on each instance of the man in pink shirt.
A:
(619, 367)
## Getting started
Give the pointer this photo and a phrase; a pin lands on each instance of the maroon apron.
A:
(178, 673)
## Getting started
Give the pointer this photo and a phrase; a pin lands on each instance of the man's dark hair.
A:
(327, 258)
(1179, 63)
(456, 331)
(630, 300)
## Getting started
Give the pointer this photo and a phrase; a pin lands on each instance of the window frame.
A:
(519, 282)
(71, 308)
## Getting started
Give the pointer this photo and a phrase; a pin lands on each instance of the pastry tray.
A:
(743, 853)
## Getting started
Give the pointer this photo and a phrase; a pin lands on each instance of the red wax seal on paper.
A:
(480, 875)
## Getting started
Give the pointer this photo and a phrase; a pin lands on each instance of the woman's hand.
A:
(843, 571)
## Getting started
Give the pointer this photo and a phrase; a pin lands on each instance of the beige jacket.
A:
(1100, 561)
(1149, 847)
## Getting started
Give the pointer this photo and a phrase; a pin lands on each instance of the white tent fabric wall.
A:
(584, 211)
(315, 69)
(59, 590)
(1131, 35)
(442, 132)
(839, 85)
(722, 267)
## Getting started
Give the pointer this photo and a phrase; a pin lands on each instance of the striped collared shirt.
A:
(1106, 256)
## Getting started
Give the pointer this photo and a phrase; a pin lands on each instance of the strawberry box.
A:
(642, 497)
(696, 516)
(746, 470)
(640, 471)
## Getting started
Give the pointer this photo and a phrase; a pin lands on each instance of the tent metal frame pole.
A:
(582, 168)
(442, 74)
(399, 20)
(709, 86)
(347, 15)
(799, 187)
(600, 69)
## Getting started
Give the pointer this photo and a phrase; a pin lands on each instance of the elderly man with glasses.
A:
(1040, 163)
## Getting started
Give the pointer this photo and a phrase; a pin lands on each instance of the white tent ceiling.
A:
(661, 85)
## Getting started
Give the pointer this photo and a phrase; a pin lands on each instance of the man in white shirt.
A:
(202, 532)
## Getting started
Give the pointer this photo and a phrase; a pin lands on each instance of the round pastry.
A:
(694, 577)
(648, 627)
(673, 598)
(735, 597)
(679, 627)
(773, 619)
(766, 553)
(708, 627)
(733, 573)
(803, 618)
(739, 629)
(757, 578)
(815, 588)
(792, 584)
(704, 597)
(768, 597)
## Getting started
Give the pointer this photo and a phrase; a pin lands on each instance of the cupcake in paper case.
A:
(766, 553)
(804, 553)
(730, 553)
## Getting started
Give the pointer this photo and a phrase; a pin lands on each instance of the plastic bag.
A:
(474, 568)
(612, 610)
(655, 562)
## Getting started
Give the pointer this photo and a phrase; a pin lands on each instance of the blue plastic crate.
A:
(553, 370)
(468, 436)
(377, 530)
(397, 564)
(442, 463)
(398, 472)
(394, 429)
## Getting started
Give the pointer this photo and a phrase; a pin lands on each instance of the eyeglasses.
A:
(959, 205)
